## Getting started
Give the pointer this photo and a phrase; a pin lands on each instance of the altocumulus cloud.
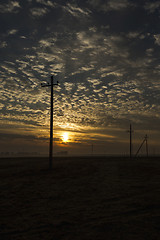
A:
(105, 55)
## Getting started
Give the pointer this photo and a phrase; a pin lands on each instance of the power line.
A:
(144, 140)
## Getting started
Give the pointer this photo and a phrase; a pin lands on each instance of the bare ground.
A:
(81, 199)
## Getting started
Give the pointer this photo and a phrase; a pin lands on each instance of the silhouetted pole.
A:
(51, 121)
(51, 127)
(130, 141)
(130, 132)
(146, 137)
(92, 148)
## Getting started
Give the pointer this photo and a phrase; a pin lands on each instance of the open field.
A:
(81, 199)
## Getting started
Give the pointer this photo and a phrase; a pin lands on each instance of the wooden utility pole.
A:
(51, 121)
(130, 142)
(92, 149)
(146, 137)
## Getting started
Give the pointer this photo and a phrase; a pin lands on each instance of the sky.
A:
(105, 55)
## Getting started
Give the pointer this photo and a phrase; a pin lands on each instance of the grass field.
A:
(83, 198)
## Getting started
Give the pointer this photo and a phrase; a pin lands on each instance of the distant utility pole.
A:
(145, 140)
(51, 120)
(92, 149)
(146, 137)
(130, 131)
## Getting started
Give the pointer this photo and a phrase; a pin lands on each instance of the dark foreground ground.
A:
(80, 199)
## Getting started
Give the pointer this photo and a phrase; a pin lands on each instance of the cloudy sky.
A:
(106, 57)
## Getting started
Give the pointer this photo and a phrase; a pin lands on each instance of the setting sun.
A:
(65, 137)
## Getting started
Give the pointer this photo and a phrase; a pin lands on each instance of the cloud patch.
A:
(38, 12)
(10, 7)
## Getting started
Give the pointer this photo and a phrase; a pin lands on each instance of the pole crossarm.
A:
(45, 85)
(48, 85)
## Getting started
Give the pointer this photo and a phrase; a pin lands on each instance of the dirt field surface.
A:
(85, 198)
